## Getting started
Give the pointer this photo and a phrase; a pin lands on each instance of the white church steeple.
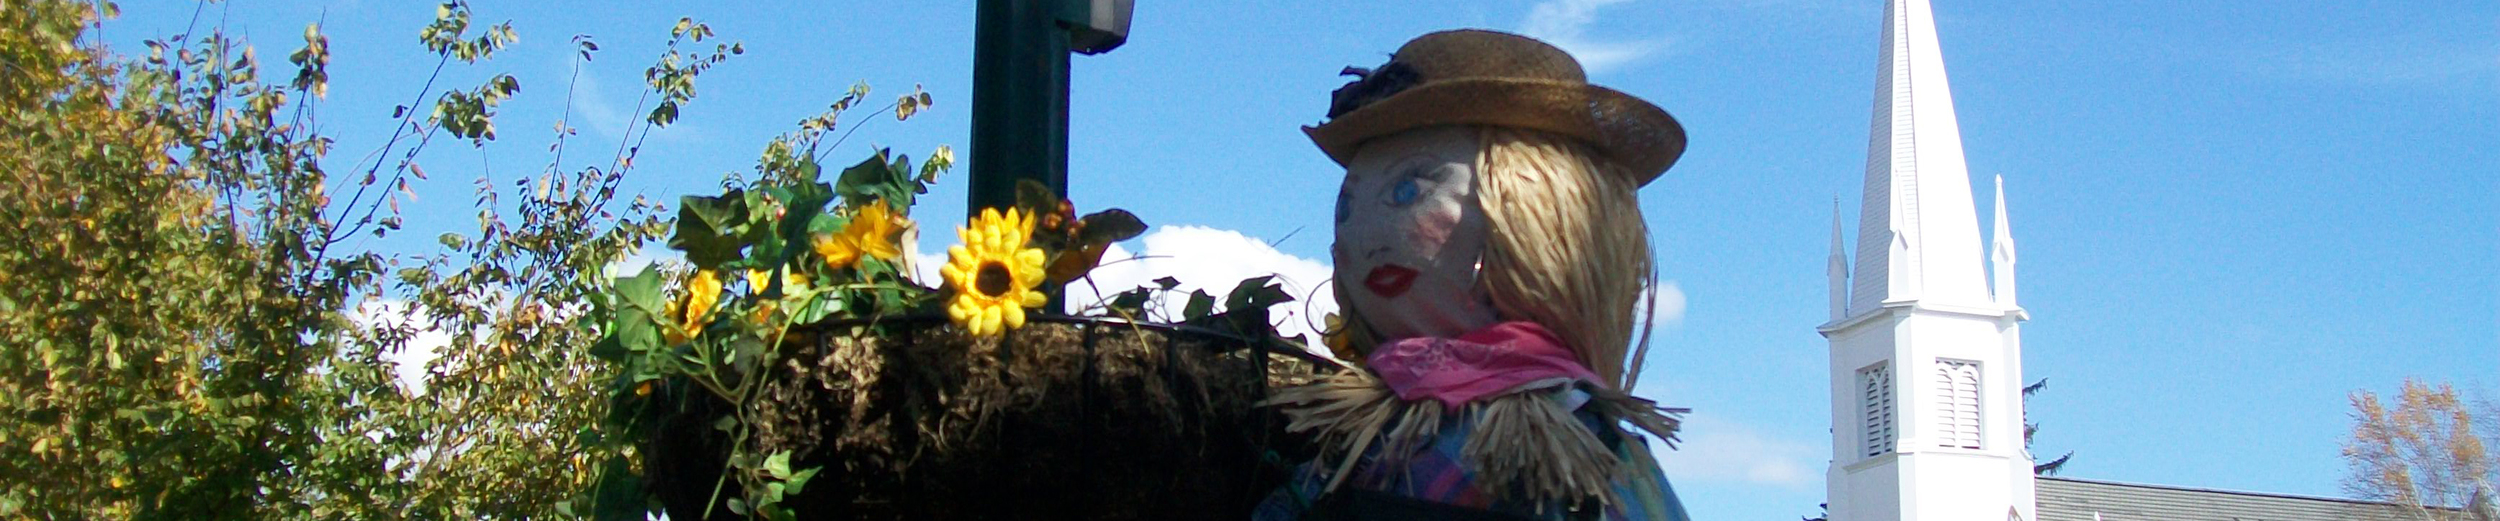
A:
(1926, 353)
(1918, 237)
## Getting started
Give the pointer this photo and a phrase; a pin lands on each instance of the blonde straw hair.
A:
(1567, 247)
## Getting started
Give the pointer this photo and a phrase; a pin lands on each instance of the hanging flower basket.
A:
(802, 365)
(1065, 418)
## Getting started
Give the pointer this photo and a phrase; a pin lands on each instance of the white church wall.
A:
(1871, 495)
(1955, 485)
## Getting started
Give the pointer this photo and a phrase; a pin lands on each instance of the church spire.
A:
(1918, 235)
(2001, 254)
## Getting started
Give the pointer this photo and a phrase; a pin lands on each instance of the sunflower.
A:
(686, 317)
(870, 233)
(993, 274)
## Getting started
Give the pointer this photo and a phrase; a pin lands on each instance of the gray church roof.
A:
(2070, 499)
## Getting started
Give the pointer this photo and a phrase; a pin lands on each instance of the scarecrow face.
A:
(1410, 232)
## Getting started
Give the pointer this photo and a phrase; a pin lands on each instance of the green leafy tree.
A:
(171, 298)
(183, 332)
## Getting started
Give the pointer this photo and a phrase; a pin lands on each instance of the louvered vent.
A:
(1876, 384)
(1957, 403)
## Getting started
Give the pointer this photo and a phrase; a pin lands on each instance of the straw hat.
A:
(1478, 77)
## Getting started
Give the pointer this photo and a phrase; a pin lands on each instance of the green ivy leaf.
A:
(778, 465)
(863, 182)
(1246, 306)
(1256, 293)
(807, 171)
(609, 349)
(708, 229)
(636, 332)
(1200, 305)
(643, 290)
(901, 191)
(825, 222)
(1109, 226)
(763, 233)
(1131, 302)
(798, 480)
(1036, 198)
(805, 202)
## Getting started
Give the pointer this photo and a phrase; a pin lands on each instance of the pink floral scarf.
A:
(1482, 363)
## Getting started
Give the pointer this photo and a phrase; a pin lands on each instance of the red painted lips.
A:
(1389, 280)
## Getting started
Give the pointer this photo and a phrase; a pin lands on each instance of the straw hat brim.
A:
(1641, 137)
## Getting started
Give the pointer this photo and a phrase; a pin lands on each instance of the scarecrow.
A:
(1490, 252)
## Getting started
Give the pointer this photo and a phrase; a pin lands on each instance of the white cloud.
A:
(1565, 23)
(1670, 310)
(605, 121)
(591, 108)
(424, 344)
(1720, 451)
(1212, 260)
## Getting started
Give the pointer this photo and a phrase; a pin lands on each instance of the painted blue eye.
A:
(1404, 193)
(1341, 206)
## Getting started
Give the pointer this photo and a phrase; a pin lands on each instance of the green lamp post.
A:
(1020, 91)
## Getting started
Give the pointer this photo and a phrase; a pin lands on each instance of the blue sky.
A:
(2231, 214)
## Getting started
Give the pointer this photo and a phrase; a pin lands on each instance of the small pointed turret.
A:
(2001, 256)
(1838, 269)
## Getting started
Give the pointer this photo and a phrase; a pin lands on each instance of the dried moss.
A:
(926, 423)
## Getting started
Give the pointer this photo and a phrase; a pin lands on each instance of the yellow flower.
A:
(758, 279)
(837, 250)
(688, 316)
(873, 229)
(870, 233)
(993, 274)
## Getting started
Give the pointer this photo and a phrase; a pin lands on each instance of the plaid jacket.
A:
(1437, 473)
